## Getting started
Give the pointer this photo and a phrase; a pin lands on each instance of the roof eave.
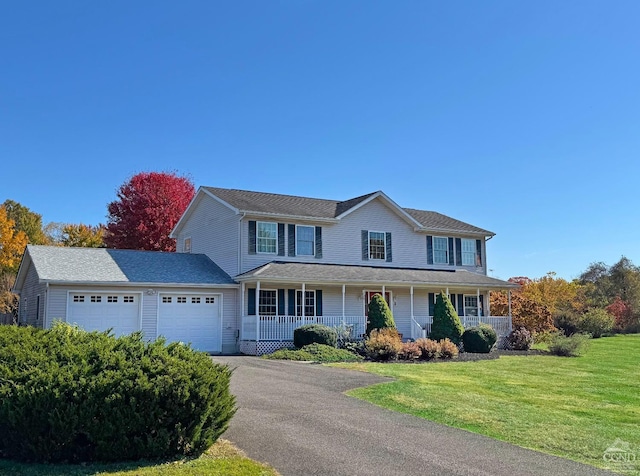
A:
(288, 217)
(393, 205)
(136, 284)
(458, 232)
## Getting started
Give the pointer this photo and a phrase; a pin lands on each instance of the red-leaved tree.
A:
(148, 207)
(623, 313)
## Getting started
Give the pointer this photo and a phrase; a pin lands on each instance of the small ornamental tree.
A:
(446, 323)
(380, 316)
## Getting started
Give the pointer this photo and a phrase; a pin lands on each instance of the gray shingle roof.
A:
(333, 273)
(289, 205)
(102, 265)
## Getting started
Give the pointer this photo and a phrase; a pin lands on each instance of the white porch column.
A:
(510, 318)
(411, 292)
(257, 311)
(302, 313)
(344, 290)
(488, 295)
(447, 291)
(242, 313)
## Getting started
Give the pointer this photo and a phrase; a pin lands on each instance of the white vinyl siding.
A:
(305, 240)
(440, 250)
(342, 242)
(214, 231)
(267, 237)
(468, 252)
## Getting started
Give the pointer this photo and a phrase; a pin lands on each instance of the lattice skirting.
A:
(249, 347)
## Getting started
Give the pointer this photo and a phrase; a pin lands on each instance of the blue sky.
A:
(519, 117)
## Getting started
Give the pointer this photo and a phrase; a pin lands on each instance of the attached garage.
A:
(95, 311)
(194, 318)
(175, 295)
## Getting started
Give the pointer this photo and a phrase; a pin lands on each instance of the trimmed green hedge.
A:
(70, 395)
(314, 334)
(479, 339)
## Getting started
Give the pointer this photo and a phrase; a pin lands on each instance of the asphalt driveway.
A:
(296, 417)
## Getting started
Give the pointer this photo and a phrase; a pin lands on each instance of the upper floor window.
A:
(305, 240)
(468, 252)
(267, 237)
(440, 250)
(186, 246)
(377, 245)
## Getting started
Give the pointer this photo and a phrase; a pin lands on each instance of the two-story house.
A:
(267, 264)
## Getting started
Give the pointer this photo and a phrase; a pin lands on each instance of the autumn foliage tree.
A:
(148, 207)
(12, 243)
(526, 312)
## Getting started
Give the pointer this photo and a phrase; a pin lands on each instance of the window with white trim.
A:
(440, 250)
(78, 298)
(166, 299)
(468, 252)
(305, 240)
(181, 299)
(309, 303)
(112, 298)
(471, 305)
(186, 246)
(377, 245)
(195, 300)
(127, 299)
(210, 300)
(96, 298)
(266, 237)
(268, 302)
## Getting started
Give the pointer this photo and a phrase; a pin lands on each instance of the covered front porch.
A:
(284, 296)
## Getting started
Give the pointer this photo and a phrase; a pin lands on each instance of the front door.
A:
(369, 294)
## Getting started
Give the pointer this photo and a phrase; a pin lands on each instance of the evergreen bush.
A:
(314, 334)
(380, 316)
(70, 395)
(479, 339)
(596, 322)
(446, 323)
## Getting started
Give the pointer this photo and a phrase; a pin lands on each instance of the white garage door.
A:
(98, 311)
(194, 318)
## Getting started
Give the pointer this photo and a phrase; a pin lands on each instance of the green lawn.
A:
(570, 407)
(222, 459)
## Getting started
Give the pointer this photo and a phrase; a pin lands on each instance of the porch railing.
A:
(421, 325)
(280, 328)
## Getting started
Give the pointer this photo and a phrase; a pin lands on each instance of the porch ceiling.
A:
(316, 273)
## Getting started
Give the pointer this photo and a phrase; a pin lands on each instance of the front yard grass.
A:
(221, 459)
(570, 407)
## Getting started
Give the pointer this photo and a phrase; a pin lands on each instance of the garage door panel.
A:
(191, 318)
(96, 311)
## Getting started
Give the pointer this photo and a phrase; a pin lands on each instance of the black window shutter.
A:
(478, 252)
(432, 303)
(452, 298)
(481, 310)
(429, 250)
(292, 302)
(280, 239)
(388, 250)
(251, 308)
(281, 310)
(458, 252)
(365, 245)
(292, 240)
(460, 304)
(318, 242)
(252, 237)
(318, 302)
(451, 251)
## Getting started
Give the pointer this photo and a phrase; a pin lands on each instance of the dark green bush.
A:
(479, 339)
(379, 315)
(289, 354)
(572, 346)
(314, 334)
(446, 323)
(70, 395)
(315, 353)
(520, 339)
(568, 321)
